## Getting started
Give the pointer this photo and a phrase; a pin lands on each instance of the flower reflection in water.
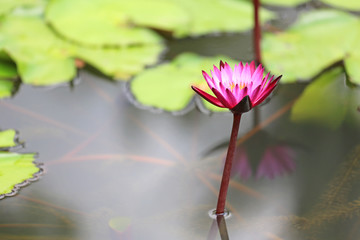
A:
(276, 160)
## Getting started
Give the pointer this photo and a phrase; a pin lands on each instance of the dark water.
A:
(159, 173)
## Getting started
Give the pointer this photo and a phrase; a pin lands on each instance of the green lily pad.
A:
(316, 41)
(97, 22)
(328, 88)
(7, 70)
(352, 62)
(120, 63)
(16, 170)
(7, 138)
(6, 88)
(118, 21)
(286, 3)
(8, 77)
(168, 85)
(8, 5)
(44, 59)
(41, 57)
(207, 16)
(353, 5)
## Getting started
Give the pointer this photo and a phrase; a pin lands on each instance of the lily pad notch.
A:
(17, 170)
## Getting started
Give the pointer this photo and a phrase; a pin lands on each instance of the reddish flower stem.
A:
(220, 209)
(257, 32)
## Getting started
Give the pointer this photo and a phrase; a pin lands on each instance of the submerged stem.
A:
(257, 32)
(220, 209)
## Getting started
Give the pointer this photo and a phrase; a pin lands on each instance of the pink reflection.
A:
(277, 160)
(241, 164)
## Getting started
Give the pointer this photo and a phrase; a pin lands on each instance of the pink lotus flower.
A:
(240, 89)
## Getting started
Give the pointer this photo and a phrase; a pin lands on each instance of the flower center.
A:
(232, 86)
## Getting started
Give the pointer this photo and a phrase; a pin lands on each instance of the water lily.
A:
(239, 89)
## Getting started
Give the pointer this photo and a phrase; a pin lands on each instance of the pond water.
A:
(157, 175)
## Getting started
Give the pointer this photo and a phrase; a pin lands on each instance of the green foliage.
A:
(15, 169)
(96, 22)
(118, 21)
(41, 57)
(168, 86)
(8, 77)
(7, 70)
(353, 5)
(6, 88)
(44, 38)
(120, 63)
(287, 3)
(207, 16)
(324, 101)
(316, 41)
(7, 138)
(8, 5)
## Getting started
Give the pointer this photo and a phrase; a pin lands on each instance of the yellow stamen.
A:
(232, 86)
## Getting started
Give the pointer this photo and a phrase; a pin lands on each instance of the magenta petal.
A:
(222, 89)
(263, 96)
(274, 82)
(221, 98)
(222, 65)
(208, 97)
(254, 94)
(216, 74)
(230, 97)
(252, 67)
(230, 86)
(265, 79)
(208, 79)
(243, 93)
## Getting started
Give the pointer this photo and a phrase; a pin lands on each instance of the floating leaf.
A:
(120, 63)
(316, 41)
(41, 57)
(209, 16)
(7, 70)
(97, 22)
(287, 3)
(16, 170)
(347, 4)
(324, 101)
(168, 86)
(6, 88)
(83, 20)
(8, 77)
(7, 138)
(8, 5)
(352, 62)
(44, 59)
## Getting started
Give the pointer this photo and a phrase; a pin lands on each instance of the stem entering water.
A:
(257, 32)
(220, 209)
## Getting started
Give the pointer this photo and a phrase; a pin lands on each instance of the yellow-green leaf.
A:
(16, 169)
